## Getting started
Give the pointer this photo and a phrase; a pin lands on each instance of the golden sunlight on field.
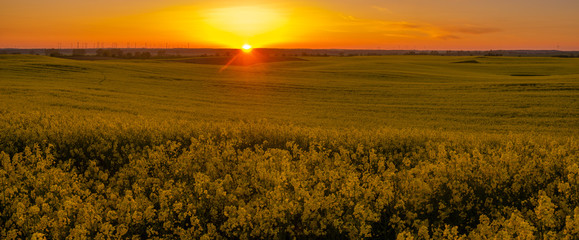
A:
(284, 119)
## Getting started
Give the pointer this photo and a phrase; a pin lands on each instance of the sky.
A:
(353, 24)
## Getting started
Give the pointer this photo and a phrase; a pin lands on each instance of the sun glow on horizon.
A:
(245, 21)
(231, 26)
(246, 48)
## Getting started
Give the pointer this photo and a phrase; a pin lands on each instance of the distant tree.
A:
(102, 53)
(492, 53)
(116, 52)
(78, 52)
(52, 52)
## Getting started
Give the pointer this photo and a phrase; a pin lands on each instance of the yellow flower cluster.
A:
(248, 180)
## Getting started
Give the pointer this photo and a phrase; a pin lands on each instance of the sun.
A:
(246, 48)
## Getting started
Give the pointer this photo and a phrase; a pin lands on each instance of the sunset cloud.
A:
(448, 37)
(407, 29)
(475, 29)
(382, 9)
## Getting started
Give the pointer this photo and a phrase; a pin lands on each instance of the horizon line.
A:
(273, 48)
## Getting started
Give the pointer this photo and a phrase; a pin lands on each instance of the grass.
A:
(500, 94)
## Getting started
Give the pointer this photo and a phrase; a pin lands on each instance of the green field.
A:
(332, 147)
(363, 92)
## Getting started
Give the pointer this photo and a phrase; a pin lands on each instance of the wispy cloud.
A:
(406, 25)
(471, 29)
(382, 9)
(407, 29)
(448, 37)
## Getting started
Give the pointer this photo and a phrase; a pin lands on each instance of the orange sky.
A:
(369, 24)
